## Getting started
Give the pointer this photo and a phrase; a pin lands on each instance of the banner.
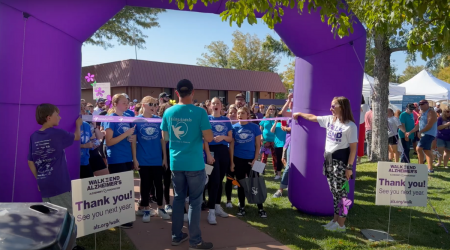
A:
(411, 99)
(101, 90)
(103, 202)
(401, 184)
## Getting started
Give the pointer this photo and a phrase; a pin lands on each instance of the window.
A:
(222, 94)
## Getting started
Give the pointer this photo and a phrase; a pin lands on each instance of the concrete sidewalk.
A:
(229, 233)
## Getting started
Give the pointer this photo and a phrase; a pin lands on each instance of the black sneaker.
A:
(184, 238)
(127, 225)
(202, 245)
(262, 213)
(78, 248)
(152, 199)
(241, 211)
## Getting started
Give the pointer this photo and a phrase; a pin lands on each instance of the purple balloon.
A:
(40, 58)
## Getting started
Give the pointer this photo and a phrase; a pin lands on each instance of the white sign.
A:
(101, 90)
(103, 202)
(258, 167)
(402, 184)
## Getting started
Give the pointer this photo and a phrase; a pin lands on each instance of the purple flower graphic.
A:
(99, 92)
(108, 100)
(89, 77)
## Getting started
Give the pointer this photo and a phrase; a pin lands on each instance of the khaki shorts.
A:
(62, 200)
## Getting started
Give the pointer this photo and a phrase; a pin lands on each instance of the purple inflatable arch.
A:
(40, 58)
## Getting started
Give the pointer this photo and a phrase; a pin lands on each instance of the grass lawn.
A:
(301, 231)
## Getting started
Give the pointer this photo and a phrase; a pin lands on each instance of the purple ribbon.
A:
(104, 118)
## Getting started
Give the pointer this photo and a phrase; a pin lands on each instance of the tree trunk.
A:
(380, 101)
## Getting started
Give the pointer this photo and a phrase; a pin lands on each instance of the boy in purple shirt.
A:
(47, 159)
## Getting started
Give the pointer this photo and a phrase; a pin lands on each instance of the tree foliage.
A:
(247, 53)
(126, 27)
(410, 72)
(287, 77)
(444, 74)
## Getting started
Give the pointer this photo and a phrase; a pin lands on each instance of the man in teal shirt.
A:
(185, 126)
(407, 120)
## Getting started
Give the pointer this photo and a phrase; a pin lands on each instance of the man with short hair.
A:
(438, 106)
(240, 100)
(427, 128)
(407, 120)
(100, 105)
(163, 98)
(83, 102)
(186, 126)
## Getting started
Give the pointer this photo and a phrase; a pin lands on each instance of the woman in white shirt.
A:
(362, 128)
(393, 125)
(340, 151)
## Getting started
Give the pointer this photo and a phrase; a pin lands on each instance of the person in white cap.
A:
(128, 112)
(438, 106)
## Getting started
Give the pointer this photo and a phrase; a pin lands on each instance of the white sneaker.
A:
(277, 177)
(212, 217)
(168, 209)
(220, 212)
(229, 205)
(336, 228)
(186, 218)
(277, 194)
(146, 216)
(140, 211)
(162, 213)
(331, 223)
(153, 213)
(236, 187)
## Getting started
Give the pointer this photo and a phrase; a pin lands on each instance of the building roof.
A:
(139, 73)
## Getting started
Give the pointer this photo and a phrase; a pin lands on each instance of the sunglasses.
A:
(335, 106)
(422, 103)
(272, 109)
(153, 104)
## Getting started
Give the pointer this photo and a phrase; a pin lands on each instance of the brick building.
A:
(140, 78)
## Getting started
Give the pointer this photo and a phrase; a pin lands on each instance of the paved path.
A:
(229, 233)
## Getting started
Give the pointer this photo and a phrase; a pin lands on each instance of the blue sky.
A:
(182, 38)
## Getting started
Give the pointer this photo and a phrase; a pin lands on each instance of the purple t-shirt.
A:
(47, 152)
(443, 134)
(288, 134)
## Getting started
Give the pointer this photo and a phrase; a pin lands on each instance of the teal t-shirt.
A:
(280, 136)
(185, 124)
(267, 135)
(408, 120)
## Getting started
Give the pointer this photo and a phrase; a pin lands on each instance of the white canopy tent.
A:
(426, 84)
(368, 85)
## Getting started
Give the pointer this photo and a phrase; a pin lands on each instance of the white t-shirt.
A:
(393, 123)
(339, 135)
(362, 113)
(97, 111)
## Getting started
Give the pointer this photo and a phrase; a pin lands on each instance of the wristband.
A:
(349, 167)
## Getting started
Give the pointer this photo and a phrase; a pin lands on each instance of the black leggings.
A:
(279, 152)
(242, 169)
(167, 179)
(229, 185)
(151, 175)
(86, 171)
(215, 183)
(120, 167)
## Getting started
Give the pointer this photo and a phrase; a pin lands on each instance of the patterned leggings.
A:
(336, 179)
(270, 146)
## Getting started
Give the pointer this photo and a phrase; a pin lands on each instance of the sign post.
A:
(398, 184)
(103, 202)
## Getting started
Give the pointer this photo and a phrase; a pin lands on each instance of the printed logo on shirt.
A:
(123, 127)
(149, 131)
(180, 130)
(334, 133)
(220, 128)
(244, 136)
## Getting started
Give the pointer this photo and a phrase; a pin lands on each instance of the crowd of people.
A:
(176, 149)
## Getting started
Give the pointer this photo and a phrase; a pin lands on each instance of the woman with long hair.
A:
(150, 155)
(218, 150)
(255, 110)
(232, 115)
(268, 138)
(443, 136)
(244, 151)
(394, 124)
(362, 128)
(340, 152)
(280, 139)
(119, 136)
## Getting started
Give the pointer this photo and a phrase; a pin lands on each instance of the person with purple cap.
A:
(185, 126)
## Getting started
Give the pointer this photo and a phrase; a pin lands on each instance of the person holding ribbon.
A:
(340, 152)
(119, 136)
(151, 158)
(244, 151)
(218, 150)
(268, 138)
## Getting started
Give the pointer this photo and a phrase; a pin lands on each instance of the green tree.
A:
(410, 72)
(247, 53)
(287, 77)
(126, 27)
(444, 74)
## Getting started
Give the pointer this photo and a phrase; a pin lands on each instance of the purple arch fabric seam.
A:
(51, 68)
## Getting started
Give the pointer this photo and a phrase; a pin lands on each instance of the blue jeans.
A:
(195, 182)
(285, 177)
(406, 147)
